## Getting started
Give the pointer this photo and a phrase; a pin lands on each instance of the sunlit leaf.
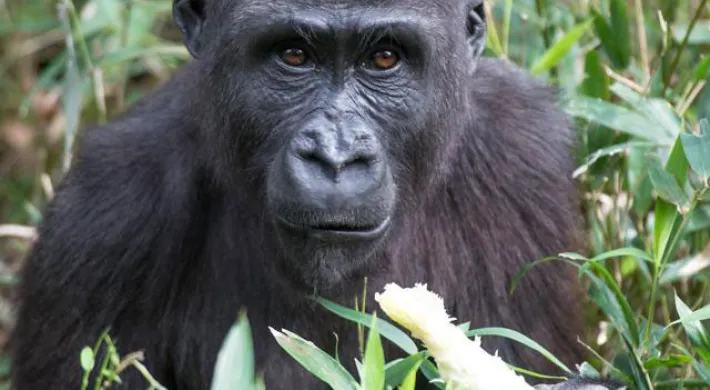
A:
(234, 368)
(559, 50)
(631, 252)
(521, 338)
(386, 329)
(693, 327)
(396, 372)
(317, 362)
(618, 118)
(87, 359)
(373, 374)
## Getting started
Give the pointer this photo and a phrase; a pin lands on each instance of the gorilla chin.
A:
(321, 257)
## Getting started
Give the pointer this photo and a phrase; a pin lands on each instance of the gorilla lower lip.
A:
(339, 232)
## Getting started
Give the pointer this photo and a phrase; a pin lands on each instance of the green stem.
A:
(123, 79)
(541, 11)
(684, 43)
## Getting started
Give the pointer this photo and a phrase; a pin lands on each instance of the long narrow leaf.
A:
(317, 362)
(373, 374)
(386, 329)
(522, 339)
(561, 48)
(234, 368)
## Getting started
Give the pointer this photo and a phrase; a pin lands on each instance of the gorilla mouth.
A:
(339, 231)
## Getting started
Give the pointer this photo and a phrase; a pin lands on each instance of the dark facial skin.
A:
(310, 144)
(333, 100)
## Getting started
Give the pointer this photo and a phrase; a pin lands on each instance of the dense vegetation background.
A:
(632, 73)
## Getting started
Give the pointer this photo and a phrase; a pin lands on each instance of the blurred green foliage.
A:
(632, 74)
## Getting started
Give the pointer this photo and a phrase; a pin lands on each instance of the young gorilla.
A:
(311, 143)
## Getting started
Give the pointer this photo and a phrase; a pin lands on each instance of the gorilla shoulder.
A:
(522, 116)
(501, 82)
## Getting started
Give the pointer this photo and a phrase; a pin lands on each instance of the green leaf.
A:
(596, 82)
(410, 382)
(529, 266)
(521, 338)
(606, 152)
(656, 110)
(605, 299)
(638, 371)
(373, 375)
(386, 330)
(317, 362)
(701, 314)
(573, 256)
(620, 29)
(618, 118)
(667, 219)
(586, 370)
(667, 186)
(397, 371)
(234, 368)
(699, 219)
(628, 313)
(559, 50)
(623, 252)
(693, 328)
(606, 35)
(702, 371)
(432, 373)
(72, 97)
(87, 359)
(669, 361)
(697, 149)
(703, 70)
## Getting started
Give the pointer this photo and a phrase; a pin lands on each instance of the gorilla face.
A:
(335, 114)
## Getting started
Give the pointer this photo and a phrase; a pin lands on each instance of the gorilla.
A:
(308, 145)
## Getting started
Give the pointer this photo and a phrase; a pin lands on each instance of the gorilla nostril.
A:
(337, 162)
(360, 161)
(311, 156)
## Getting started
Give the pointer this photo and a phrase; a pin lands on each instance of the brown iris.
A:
(294, 57)
(385, 59)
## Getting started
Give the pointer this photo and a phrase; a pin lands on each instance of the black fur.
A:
(163, 229)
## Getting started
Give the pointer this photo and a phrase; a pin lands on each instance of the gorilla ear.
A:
(189, 16)
(476, 28)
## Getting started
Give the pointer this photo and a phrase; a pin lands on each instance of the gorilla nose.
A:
(335, 173)
(334, 163)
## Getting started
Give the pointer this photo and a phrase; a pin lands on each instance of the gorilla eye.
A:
(385, 59)
(294, 57)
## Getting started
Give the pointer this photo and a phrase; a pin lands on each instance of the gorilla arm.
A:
(84, 273)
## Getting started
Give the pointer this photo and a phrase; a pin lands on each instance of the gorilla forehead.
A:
(354, 4)
(340, 19)
(341, 8)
